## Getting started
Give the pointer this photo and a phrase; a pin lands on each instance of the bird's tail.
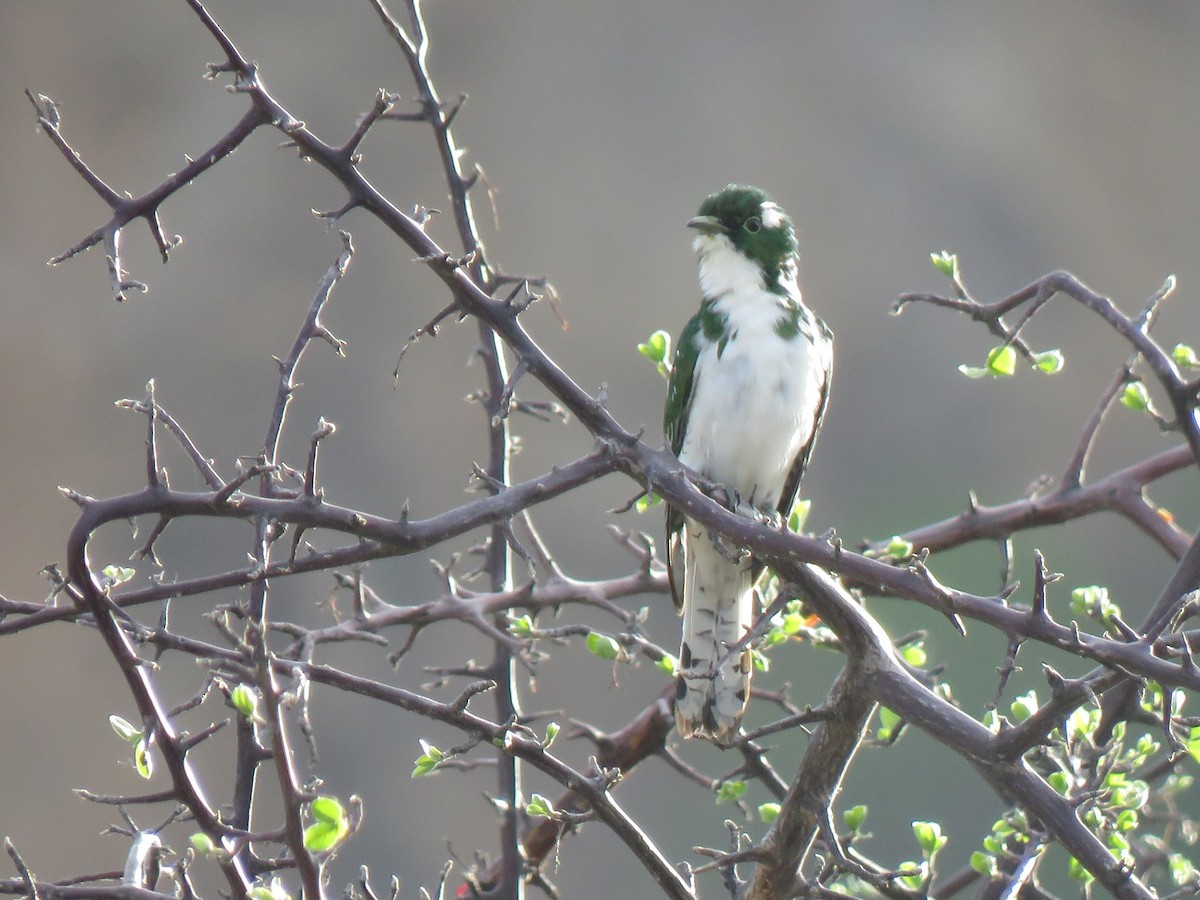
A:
(718, 609)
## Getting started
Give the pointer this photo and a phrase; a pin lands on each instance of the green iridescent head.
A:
(753, 223)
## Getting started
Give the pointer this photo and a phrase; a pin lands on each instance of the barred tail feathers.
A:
(718, 609)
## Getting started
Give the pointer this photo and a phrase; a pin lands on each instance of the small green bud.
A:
(429, 759)
(540, 807)
(602, 645)
(1002, 360)
(888, 721)
(520, 626)
(245, 700)
(114, 575)
(984, 864)
(202, 844)
(915, 655)
(274, 891)
(1181, 869)
(898, 548)
(768, 812)
(646, 501)
(946, 263)
(327, 809)
(1185, 357)
(657, 349)
(793, 623)
(1127, 820)
(1049, 361)
(1024, 706)
(854, 817)
(1136, 397)
(799, 515)
(929, 837)
(668, 664)
(125, 729)
(142, 760)
(552, 729)
(913, 875)
(729, 791)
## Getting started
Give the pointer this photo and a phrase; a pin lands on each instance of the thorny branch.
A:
(1008, 758)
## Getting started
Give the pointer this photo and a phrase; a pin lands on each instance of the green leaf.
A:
(603, 646)
(114, 575)
(1136, 397)
(774, 637)
(760, 661)
(540, 807)
(799, 515)
(1024, 706)
(429, 759)
(914, 874)
(1001, 363)
(657, 349)
(202, 844)
(274, 891)
(1093, 601)
(245, 700)
(946, 263)
(320, 837)
(520, 626)
(1060, 781)
(552, 729)
(984, 864)
(668, 664)
(1185, 357)
(854, 817)
(973, 371)
(1002, 360)
(929, 837)
(888, 722)
(768, 812)
(898, 548)
(647, 501)
(1127, 820)
(1193, 744)
(142, 760)
(793, 623)
(915, 655)
(729, 791)
(1181, 869)
(125, 729)
(1049, 361)
(327, 809)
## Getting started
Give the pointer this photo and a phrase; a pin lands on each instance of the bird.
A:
(746, 395)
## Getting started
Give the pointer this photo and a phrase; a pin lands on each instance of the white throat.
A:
(723, 270)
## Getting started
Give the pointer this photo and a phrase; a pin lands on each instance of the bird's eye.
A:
(753, 224)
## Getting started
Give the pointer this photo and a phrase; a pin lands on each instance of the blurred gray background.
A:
(1023, 136)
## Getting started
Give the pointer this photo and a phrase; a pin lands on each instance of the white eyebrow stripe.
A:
(772, 215)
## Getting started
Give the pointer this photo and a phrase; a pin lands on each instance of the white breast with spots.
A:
(754, 401)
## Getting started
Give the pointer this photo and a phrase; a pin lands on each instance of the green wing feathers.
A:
(679, 395)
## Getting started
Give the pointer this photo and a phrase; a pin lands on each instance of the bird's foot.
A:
(733, 554)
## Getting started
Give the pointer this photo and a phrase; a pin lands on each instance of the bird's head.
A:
(750, 222)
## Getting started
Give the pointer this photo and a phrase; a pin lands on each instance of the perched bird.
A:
(747, 391)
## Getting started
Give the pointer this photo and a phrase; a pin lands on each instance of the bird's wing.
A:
(791, 487)
(679, 401)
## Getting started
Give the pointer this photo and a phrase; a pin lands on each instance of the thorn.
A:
(82, 500)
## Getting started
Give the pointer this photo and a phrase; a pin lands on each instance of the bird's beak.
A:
(709, 225)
